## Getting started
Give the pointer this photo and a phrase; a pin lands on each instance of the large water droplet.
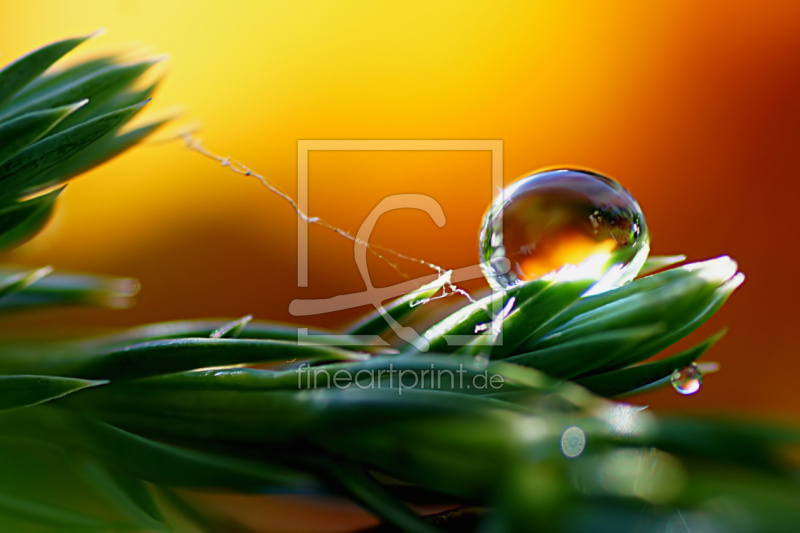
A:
(687, 380)
(555, 219)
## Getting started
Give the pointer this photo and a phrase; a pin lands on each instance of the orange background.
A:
(693, 106)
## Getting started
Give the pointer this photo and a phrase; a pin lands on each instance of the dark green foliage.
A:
(506, 416)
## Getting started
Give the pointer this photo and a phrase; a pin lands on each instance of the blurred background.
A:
(694, 107)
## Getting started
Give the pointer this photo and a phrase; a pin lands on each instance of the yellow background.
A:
(693, 106)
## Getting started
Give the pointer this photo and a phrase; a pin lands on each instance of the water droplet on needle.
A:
(555, 219)
(687, 380)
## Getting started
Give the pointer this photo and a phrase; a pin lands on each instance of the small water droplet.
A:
(562, 218)
(573, 441)
(687, 380)
(481, 361)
